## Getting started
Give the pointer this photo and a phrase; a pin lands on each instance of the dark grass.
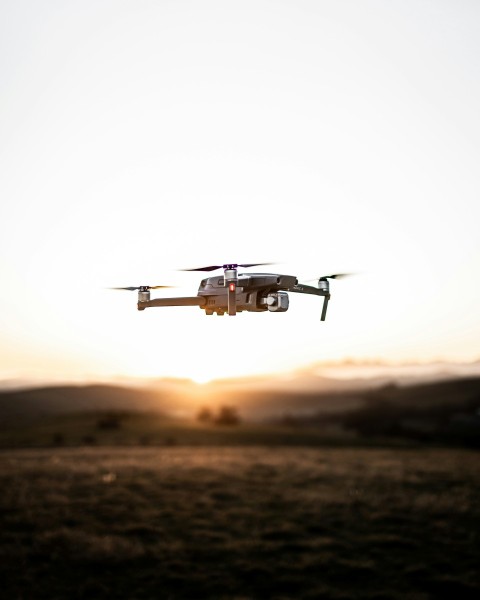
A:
(145, 429)
(246, 522)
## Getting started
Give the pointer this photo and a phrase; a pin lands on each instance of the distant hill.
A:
(443, 412)
(458, 394)
(177, 400)
(446, 412)
(33, 403)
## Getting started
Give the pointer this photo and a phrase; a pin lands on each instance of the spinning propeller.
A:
(334, 276)
(142, 288)
(227, 266)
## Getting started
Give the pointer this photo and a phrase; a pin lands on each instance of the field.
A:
(239, 523)
(155, 430)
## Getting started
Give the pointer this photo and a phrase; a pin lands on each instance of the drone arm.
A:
(308, 289)
(300, 288)
(185, 301)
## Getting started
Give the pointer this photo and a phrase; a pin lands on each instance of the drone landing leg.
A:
(324, 309)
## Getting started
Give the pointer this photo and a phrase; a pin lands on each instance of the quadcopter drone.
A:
(237, 292)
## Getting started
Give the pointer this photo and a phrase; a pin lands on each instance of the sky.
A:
(142, 137)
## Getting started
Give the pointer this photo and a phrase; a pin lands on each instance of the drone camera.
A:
(277, 302)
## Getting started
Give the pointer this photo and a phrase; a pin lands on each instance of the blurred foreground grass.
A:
(245, 522)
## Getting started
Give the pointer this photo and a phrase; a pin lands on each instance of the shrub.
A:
(227, 415)
(205, 415)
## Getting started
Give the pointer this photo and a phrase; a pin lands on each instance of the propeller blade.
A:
(140, 287)
(210, 268)
(336, 276)
(231, 265)
(245, 265)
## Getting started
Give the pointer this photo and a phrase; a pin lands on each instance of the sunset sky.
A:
(137, 138)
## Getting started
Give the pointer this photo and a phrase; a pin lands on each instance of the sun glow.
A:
(201, 378)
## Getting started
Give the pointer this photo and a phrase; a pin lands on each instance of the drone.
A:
(236, 292)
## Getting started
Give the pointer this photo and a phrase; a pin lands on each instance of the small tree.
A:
(205, 415)
(227, 415)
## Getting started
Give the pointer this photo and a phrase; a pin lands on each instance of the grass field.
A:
(246, 522)
(145, 429)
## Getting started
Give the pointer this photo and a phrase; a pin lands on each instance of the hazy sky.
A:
(138, 137)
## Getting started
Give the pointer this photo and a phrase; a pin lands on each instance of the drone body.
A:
(234, 292)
